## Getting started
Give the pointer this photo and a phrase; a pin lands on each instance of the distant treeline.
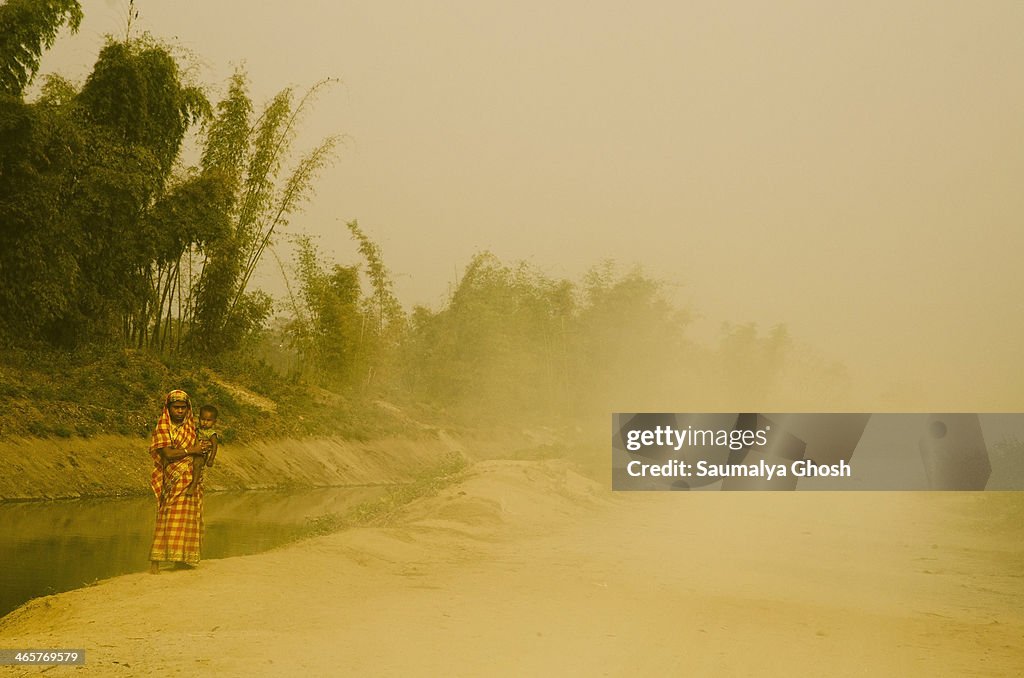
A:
(107, 238)
(512, 342)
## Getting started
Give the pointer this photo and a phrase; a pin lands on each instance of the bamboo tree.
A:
(27, 29)
(250, 157)
(383, 309)
(295, 190)
(388, 309)
(326, 315)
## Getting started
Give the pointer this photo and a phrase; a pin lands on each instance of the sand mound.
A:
(503, 495)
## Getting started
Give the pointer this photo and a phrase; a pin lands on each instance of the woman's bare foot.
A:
(154, 567)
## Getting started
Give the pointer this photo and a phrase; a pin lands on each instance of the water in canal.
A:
(49, 547)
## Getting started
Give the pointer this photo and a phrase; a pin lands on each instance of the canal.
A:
(50, 547)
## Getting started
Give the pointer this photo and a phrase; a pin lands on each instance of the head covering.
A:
(165, 435)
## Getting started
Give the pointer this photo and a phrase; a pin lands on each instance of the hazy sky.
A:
(853, 169)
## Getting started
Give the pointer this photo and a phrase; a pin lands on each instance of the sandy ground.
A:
(526, 568)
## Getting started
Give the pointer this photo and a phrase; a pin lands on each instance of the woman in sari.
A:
(179, 516)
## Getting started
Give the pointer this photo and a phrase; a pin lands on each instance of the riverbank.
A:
(526, 568)
(110, 466)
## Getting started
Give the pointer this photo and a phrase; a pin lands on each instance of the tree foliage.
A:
(135, 95)
(344, 337)
(27, 29)
(500, 343)
(39, 241)
(248, 157)
(105, 236)
(327, 326)
(133, 111)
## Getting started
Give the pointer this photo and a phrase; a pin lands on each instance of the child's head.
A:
(207, 416)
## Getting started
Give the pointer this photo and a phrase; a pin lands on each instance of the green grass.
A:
(100, 390)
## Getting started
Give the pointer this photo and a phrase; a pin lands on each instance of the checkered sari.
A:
(179, 517)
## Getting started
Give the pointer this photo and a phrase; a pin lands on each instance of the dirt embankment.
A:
(112, 466)
(69, 468)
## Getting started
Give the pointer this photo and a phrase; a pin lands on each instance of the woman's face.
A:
(177, 412)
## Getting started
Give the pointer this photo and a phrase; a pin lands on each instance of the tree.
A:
(39, 243)
(631, 340)
(327, 324)
(498, 346)
(37, 148)
(27, 29)
(134, 110)
(249, 157)
(104, 237)
(749, 365)
(386, 326)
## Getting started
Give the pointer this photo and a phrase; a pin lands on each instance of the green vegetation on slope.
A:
(120, 391)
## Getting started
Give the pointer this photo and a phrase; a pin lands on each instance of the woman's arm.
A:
(175, 453)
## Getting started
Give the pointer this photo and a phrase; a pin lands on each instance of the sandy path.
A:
(526, 569)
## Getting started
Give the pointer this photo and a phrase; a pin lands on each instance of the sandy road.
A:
(527, 569)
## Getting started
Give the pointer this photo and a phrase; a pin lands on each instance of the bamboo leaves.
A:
(250, 156)
(386, 309)
(104, 234)
(136, 93)
(27, 28)
(276, 212)
(227, 135)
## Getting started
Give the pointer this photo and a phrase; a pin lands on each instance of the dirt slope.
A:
(103, 466)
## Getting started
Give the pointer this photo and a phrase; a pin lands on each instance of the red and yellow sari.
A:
(179, 517)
